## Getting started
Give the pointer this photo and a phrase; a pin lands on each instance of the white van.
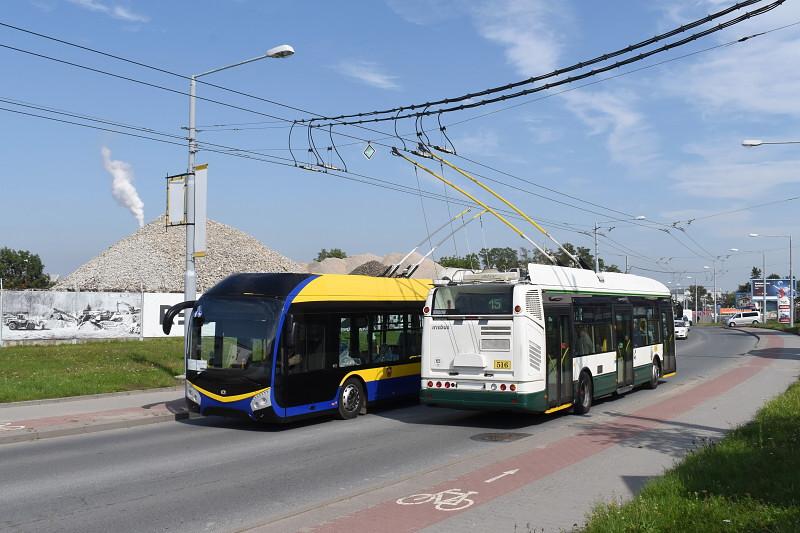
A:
(747, 318)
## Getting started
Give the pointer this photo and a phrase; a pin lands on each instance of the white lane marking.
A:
(504, 474)
(6, 426)
(456, 499)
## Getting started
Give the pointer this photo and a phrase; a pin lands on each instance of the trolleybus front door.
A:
(623, 325)
(558, 331)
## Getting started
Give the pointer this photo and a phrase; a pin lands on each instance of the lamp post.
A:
(190, 276)
(752, 143)
(596, 228)
(791, 279)
(714, 272)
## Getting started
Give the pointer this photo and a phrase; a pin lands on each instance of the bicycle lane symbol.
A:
(446, 500)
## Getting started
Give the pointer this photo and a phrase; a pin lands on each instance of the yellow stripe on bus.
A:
(227, 399)
(385, 372)
(347, 288)
(559, 408)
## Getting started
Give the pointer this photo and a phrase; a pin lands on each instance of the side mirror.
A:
(289, 332)
(169, 316)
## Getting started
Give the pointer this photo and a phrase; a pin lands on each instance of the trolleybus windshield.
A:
(234, 336)
(473, 300)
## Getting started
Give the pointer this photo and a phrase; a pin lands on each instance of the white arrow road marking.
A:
(6, 426)
(504, 474)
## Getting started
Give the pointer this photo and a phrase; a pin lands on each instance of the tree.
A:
(744, 287)
(755, 273)
(701, 294)
(470, 261)
(773, 276)
(333, 252)
(502, 259)
(20, 269)
(581, 252)
(728, 299)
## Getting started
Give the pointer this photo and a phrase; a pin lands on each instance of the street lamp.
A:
(791, 279)
(596, 227)
(190, 276)
(714, 271)
(752, 143)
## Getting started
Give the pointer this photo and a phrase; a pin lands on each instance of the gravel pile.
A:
(154, 258)
(333, 265)
(370, 268)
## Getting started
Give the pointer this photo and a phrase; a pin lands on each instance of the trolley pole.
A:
(596, 258)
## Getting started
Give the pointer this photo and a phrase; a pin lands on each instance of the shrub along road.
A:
(223, 475)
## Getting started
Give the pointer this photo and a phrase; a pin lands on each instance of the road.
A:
(222, 475)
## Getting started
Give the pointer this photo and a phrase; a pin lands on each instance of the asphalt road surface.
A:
(220, 475)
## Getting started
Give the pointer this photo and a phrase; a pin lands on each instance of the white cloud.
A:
(533, 45)
(629, 139)
(368, 72)
(112, 10)
(525, 29)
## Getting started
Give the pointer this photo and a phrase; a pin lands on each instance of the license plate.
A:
(502, 364)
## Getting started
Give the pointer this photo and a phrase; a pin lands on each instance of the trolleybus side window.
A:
(593, 329)
(645, 330)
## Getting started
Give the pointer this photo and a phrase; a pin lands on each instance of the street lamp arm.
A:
(226, 67)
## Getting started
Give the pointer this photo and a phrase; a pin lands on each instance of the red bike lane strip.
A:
(92, 417)
(541, 462)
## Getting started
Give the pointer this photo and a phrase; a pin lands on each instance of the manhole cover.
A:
(499, 437)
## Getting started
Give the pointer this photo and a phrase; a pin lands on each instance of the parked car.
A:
(681, 330)
(746, 318)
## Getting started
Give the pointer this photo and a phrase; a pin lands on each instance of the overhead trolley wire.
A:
(557, 72)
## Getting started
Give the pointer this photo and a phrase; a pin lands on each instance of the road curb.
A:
(90, 428)
(91, 396)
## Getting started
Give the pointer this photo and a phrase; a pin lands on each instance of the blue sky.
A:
(663, 142)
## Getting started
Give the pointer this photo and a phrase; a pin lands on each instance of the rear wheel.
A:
(655, 375)
(755, 322)
(351, 399)
(583, 401)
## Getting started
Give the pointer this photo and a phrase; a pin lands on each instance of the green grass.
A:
(56, 371)
(749, 481)
(780, 327)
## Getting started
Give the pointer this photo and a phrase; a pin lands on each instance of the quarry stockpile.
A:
(153, 259)
(332, 265)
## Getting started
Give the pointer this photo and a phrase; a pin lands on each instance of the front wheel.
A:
(584, 400)
(755, 322)
(351, 399)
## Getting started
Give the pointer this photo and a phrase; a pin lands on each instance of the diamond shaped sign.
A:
(369, 151)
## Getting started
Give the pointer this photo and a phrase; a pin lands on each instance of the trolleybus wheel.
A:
(583, 402)
(351, 399)
(655, 375)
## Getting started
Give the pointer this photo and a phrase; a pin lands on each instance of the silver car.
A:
(746, 318)
(681, 330)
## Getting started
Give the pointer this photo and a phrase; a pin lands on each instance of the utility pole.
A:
(764, 279)
(626, 264)
(715, 290)
(695, 301)
(596, 258)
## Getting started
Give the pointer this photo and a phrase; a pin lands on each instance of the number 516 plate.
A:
(502, 364)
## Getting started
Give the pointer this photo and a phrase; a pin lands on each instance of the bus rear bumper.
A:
(533, 402)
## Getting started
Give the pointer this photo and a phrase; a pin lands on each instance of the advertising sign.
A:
(773, 287)
(155, 306)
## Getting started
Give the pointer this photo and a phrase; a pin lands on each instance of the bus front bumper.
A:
(534, 402)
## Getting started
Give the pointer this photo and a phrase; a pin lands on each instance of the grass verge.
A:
(56, 371)
(749, 481)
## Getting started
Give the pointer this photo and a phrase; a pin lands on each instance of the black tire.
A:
(12, 325)
(655, 375)
(583, 396)
(351, 399)
(755, 322)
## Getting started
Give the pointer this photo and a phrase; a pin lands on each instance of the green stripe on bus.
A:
(535, 401)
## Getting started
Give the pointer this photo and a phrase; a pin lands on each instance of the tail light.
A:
(446, 384)
(426, 310)
(512, 388)
(502, 386)
(438, 384)
(430, 384)
(517, 309)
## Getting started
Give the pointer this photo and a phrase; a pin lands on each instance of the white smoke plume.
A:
(122, 188)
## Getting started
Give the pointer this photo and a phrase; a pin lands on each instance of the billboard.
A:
(776, 288)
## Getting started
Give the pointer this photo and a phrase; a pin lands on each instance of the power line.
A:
(397, 111)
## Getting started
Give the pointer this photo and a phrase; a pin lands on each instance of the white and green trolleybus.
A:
(560, 338)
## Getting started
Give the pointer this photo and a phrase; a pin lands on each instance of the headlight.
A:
(192, 394)
(260, 401)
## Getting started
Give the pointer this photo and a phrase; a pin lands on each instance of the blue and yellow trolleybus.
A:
(280, 346)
